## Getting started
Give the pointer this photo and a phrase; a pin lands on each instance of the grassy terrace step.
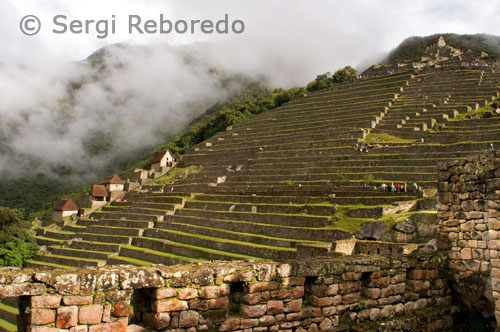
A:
(157, 206)
(321, 178)
(136, 210)
(165, 198)
(231, 235)
(70, 262)
(8, 313)
(308, 114)
(120, 231)
(183, 249)
(270, 145)
(156, 257)
(266, 218)
(341, 93)
(223, 244)
(293, 169)
(333, 144)
(99, 246)
(32, 263)
(78, 253)
(124, 215)
(311, 114)
(119, 260)
(333, 163)
(47, 241)
(259, 141)
(116, 223)
(144, 211)
(54, 234)
(290, 136)
(290, 232)
(320, 115)
(304, 130)
(301, 200)
(6, 326)
(120, 204)
(402, 152)
(318, 210)
(356, 102)
(111, 239)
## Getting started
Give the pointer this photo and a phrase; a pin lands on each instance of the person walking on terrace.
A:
(406, 187)
(491, 147)
(384, 187)
(415, 186)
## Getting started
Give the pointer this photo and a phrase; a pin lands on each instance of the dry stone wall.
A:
(357, 293)
(469, 221)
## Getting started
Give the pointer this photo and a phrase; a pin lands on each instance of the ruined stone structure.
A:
(362, 293)
(469, 218)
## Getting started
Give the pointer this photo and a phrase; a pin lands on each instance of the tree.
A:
(327, 80)
(16, 242)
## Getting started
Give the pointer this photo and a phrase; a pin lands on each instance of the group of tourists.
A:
(398, 188)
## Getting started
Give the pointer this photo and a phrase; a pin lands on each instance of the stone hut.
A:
(65, 208)
(163, 158)
(113, 183)
(99, 193)
(436, 43)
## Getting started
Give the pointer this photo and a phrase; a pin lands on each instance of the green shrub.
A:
(16, 242)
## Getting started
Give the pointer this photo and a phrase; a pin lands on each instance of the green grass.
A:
(175, 174)
(324, 203)
(249, 234)
(260, 213)
(133, 261)
(216, 239)
(54, 265)
(7, 325)
(164, 254)
(348, 224)
(10, 309)
(385, 138)
(207, 250)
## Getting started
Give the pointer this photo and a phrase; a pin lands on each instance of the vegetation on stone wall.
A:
(16, 242)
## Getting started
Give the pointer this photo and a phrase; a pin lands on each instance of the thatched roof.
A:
(113, 179)
(98, 190)
(65, 204)
(159, 155)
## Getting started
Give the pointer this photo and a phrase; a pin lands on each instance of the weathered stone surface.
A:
(252, 311)
(77, 300)
(406, 226)
(91, 314)
(169, 305)
(188, 318)
(371, 231)
(67, 317)
(158, 321)
(42, 316)
(47, 301)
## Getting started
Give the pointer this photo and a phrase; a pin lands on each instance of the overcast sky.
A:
(321, 35)
(150, 93)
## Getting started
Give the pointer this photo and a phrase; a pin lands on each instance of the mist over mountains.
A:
(77, 119)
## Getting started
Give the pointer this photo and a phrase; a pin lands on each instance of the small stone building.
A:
(99, 193)
(65, 208)
(436, 43)
(113, 183)
(163, 158)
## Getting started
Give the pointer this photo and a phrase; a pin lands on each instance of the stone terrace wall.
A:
(469, 221)
(365, 294)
